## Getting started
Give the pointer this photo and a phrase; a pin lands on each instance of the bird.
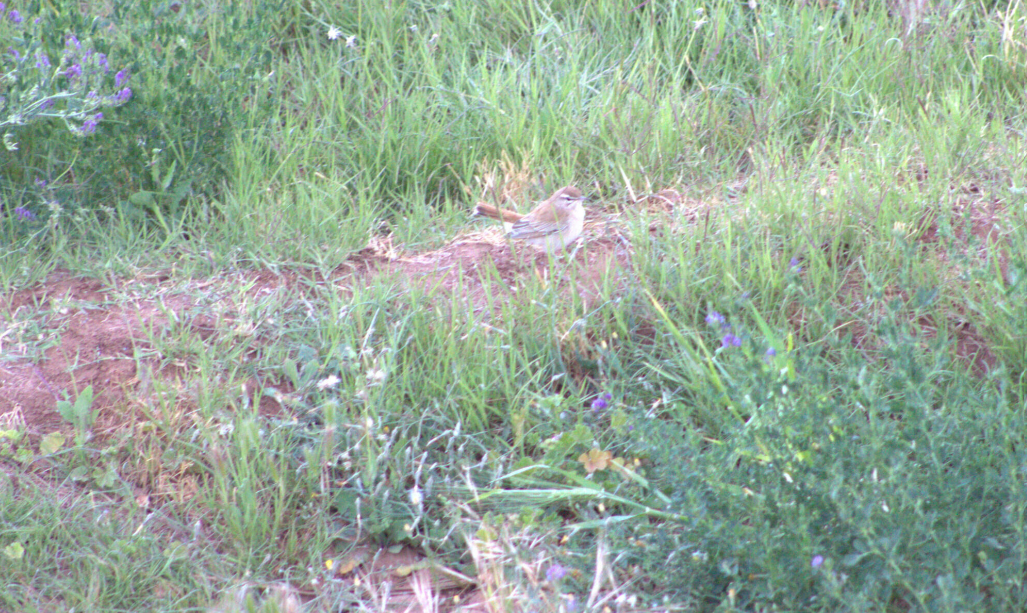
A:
(555, 223)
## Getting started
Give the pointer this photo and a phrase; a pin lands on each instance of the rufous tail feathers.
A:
(487, 210)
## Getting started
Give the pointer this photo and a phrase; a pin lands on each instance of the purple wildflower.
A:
(714, 318)
(71, 41)
(120, 78)
(89, 125)
(3, 7)
(794, 265)
(46, 104)
(24, 213)
(15, 16)
(817, 561)
(600, 403)
(101, 59)
(40, 183)
(771, 352)
(730, 340)
(74, 72)
(14, 52)
(42, 61)
(555, 573)
(123, 96)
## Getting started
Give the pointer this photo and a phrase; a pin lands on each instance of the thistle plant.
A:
(37, 83)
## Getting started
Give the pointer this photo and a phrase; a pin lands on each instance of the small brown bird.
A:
(555, 223)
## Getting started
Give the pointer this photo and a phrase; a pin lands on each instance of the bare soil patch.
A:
(484, 263)
(71, 332)
(97, 333)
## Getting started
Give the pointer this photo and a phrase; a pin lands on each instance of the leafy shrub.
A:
(193, 77)
(855, 484)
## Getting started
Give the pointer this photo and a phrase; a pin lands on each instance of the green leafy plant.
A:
(79, 413)
(72, 87)
(860, 483)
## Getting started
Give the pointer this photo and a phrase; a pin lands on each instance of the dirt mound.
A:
(70, 332)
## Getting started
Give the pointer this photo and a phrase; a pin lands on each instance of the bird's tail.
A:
(487, 210)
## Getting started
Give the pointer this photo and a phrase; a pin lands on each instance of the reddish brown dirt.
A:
(91, 342)
(484, 264)
(92, 337)
(91, 334)
(972, 221)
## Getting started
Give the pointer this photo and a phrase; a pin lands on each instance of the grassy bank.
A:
(783, 371)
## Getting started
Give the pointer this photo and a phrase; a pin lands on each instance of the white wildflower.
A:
(328, 382)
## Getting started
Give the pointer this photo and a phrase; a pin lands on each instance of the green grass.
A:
(839, 172)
